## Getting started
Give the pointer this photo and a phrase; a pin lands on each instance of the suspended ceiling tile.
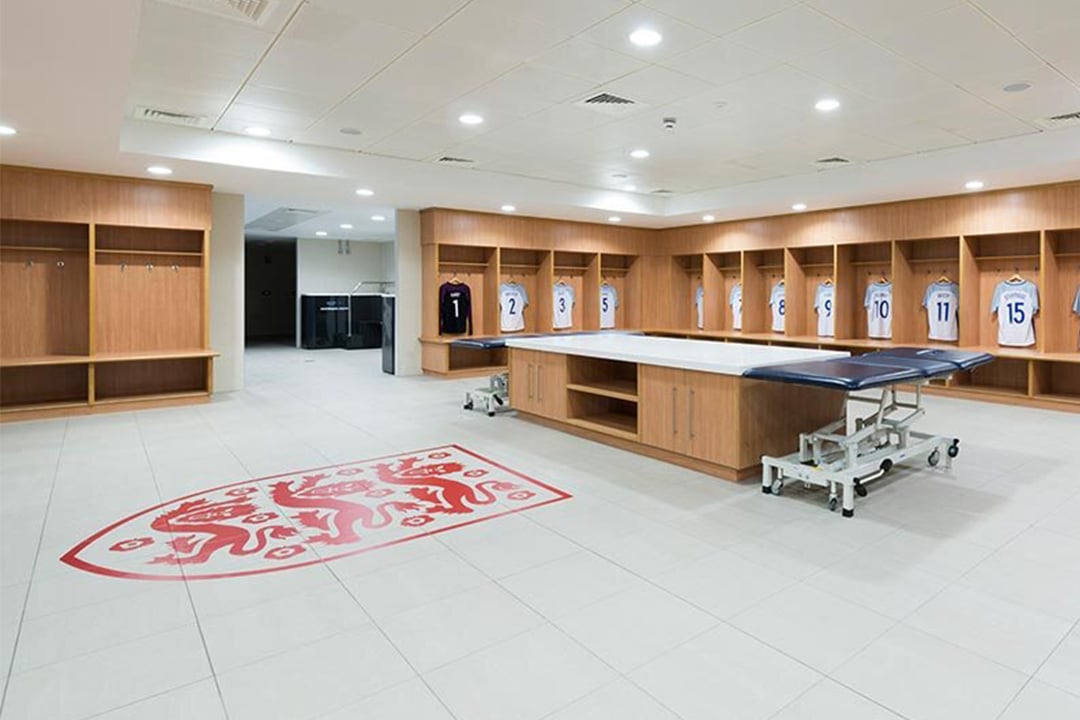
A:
(1058, 46)
(656, 85)
(880, 17)
(721, 16)
(588, 60)
(678, 37)
(795, 33)
(1031, 15)
(483, 26)
(569, 17)
(721, 61)
(419, 16)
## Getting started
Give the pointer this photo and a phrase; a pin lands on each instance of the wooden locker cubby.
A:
(805, 268)
(985, 261)
(858, 266)
(573, 268)
(1061, 282)
(1056, 381)
(724, 271)
(477, 267)
(41, 387)
(122, 381)
(623, 273)
(762, 269)
(687, 276)
(523, 267)
(916, 265)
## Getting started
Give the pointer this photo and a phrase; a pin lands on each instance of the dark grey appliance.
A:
(388, 360)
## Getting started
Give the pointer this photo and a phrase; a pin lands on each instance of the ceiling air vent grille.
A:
(663, 191)
(168, 116)
(451, 160)
(609, 104)
(252, 12)
(1067, 117)
(834, 160)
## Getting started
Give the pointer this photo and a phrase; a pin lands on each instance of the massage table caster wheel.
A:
(491, 413)
(860, 490)
(934, 458)
(847, 513)
(468, 405)
(777, 487)
(833, 503)
(954, 449)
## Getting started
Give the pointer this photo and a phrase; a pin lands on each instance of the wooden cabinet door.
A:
(662, 403)
(523, 380)
(712, 416)
(550, 385)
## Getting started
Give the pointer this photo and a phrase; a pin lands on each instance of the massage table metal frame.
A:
(843, 462)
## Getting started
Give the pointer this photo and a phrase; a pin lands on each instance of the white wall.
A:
(408, 290)
(321, 269)
(227, 291)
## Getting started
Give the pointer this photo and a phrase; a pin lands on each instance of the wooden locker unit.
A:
(1061, 282)
(622, 272)
(104, 293)
(523, 267)
(997, 258)
(687, 275)
(917, 264)
(570, 268)
(762, 269)
(728, 270)
(869, 263)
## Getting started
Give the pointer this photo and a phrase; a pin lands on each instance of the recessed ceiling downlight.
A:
(257, 131)
(630, 188)
(614, 219)
(364, 192)
(470, 119)
(639, 154)
(508, 208)
(798, 207)
(159, 170)
(708, 218)
(378, 218)
(974, 185)
(320, 233)
(646, 37)
(1017, 87)
(827, 105)
(345, 226)
(7, 130)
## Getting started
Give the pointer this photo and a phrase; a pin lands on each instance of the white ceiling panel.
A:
(282, 124)
(869, 69)
(931, 41)
(880, 17)
(300, 103)
(679, 37)
(1030, 15)
(1058, 46)
(795, 89)
(721, 61)
(419, 16)
(721, 16)
(586, 59)
(656, 85)
(484, 26)
(208, 104)
(569, 17)
(521, 92)
(1049, 94)
(793, 34)
(916, 138)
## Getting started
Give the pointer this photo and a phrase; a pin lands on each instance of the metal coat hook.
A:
(175, 268)
(149, 267)
(29, 264)
(60, 264)
(123, 267)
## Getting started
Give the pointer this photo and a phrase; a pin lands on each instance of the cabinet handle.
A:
(690, 415)
(530, 381)
(674, 410)
(539, 383)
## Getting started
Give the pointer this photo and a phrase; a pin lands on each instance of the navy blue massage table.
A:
(832, 457)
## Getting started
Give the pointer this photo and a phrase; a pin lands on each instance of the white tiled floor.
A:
(654, 594)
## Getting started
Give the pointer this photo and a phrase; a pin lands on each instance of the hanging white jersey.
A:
(563, 296)
(699, 303)
(878, 304)
(512, 302)
(942, 303)
(1016, 304)
(778, 305)
(824, 301)
(609, 300)
(735, 301)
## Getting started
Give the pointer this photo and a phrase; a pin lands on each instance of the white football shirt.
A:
(512, 302)
(609, 300)
(699, 303)
(563, 296)
(1016, 304)
(777, 303)
(735, 301)
(824, 301)
(942, 303)
(1076, 302)
(878, 304)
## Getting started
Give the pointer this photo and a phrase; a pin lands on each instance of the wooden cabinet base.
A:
(721, 471)
(46, 411)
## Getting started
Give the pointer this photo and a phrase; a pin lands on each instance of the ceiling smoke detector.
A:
(249, 12)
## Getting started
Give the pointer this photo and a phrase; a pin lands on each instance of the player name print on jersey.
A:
(1015, 303)
(779, 306)
(824, 304)
(512, 303)
(609, 301)
(878, 302)
(455, 308)
(563, 304)
(735, 302)
(942, 303)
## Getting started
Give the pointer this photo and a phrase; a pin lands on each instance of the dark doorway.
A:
(270, 291)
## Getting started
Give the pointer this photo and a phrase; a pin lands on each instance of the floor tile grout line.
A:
(144, 699)
(33, 571)
(187, 588)
(1034, 675)
(827, 679)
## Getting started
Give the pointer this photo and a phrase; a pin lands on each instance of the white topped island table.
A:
(682, 401)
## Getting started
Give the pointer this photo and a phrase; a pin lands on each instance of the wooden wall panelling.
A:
(906, 298)
(630, 298)
(38, 234)
(146, 304)
(970, 311)
(713, 284)
(460, 227)
(131, 379)
(769, 425)
(150, 239)
(544, 318)
(488, 312)
(591, 284)
(429, 291)
(796, 312)
(30, 194)
(45, 307)
(658, 297)
(43, 384)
